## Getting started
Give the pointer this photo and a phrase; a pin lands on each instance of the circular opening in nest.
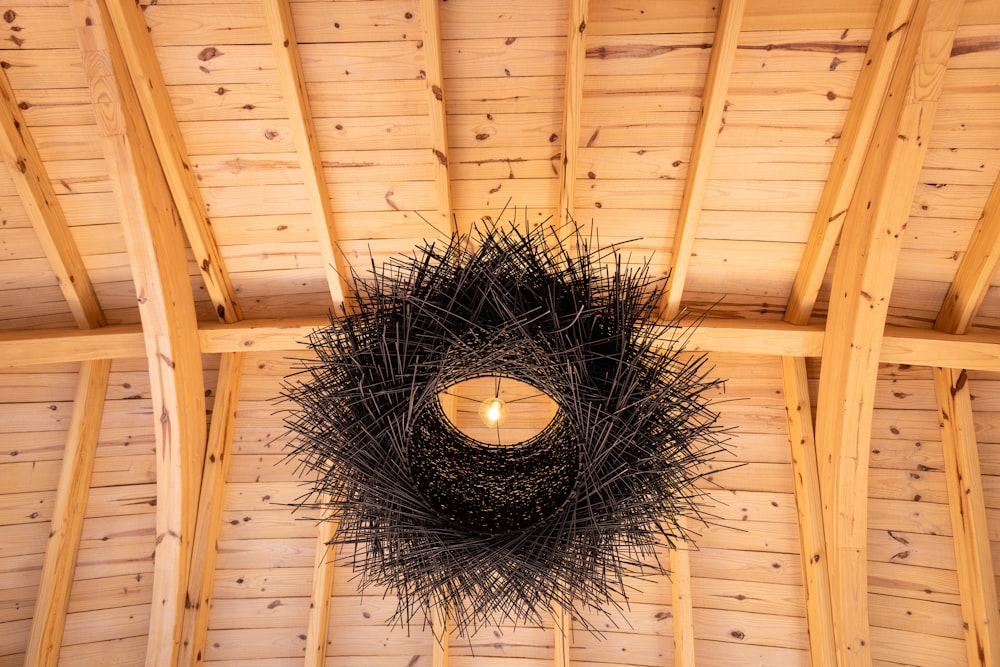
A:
(496, 410)
(488, 478)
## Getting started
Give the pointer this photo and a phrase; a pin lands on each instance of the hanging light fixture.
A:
(501, 523)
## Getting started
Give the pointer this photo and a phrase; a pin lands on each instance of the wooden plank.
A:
(318, 624)
(576, 35)
(972, 280)
(710, 124)
(862, 283)
(157, 108)
(682, 604)
(430, 15)
(201, 582)
(439, 626)
(562, 621)
(157, 258)
(809, 505)
(970, 529)
(17, 147)
(869, 93)
(52, 602)
(289, 65)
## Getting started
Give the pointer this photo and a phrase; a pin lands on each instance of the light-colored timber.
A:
(176, 179)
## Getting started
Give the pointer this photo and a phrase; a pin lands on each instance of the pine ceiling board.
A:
(230, 101)
(504, 57)
(368, 61)
(503, 94)
(205, 25)
(56, 106)
(914, 647)
(899, 545)
(32, 26)
(667, 55)
(966, 128)
(48, 69)
(815, 51)
(357, 21)
(749, 596)
(124, 652)
(745, 628)
(906, 581)
(489, 162)
(936, 618)
(620, 91)
(650, 16)
(791, 227)
(517, 17)
(227, 65)
(487, 195)
(808, 91)
(511, 130)
(976, 46)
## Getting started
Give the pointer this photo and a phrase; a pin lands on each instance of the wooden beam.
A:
(900, 345)
(47, 217)
(862, 283)
(562, 621)
(809, 506)
(972, 280)
(710, 125)
(576, 54)
(439, 626)
(201, 581)
(869, 94)
(430, 14)
(970, 530)
(49, 619)
(682, 606)
(148, 83)
(155, 243)
(318, 623)
(289, 72)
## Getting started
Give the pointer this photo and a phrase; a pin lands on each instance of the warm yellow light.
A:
(492, 412)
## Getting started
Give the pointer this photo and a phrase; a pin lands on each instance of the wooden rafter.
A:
(869, 93)
(47, 217)
(318, 622)
(430, 13)
(439, 624)
(900, 345)
(862, 283)
(710, 125)
(289, 73)
(562, 628)
(972, 280)
(682, 606)
(809, 506)
(576, 53)
(45, 638)
(210, 505)
(147, 80)
(156, 249)
(970, 530)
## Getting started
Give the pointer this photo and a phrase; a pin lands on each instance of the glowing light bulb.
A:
(492, 412)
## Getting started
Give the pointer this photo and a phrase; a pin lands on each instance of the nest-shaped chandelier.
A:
(501, 532)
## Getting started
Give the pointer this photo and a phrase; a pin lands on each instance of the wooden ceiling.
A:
(184, 183)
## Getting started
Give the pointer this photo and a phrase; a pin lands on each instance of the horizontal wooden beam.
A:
(900, 345)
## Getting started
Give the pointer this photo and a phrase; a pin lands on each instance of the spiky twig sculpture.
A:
(501, 533)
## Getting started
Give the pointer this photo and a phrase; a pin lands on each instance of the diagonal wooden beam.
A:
(155, 243)
(809, 506)
(563, 626)
(710, 125)
(430, 15)
(852, 148)
(576, 54)
(972, 280)
(682, 605)
(47, 217)
(45, 638)
(289, 73)
(862, 283)
(439, 625)
(201, 580)
(970, 531)
(318, 622)
(147, 79)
